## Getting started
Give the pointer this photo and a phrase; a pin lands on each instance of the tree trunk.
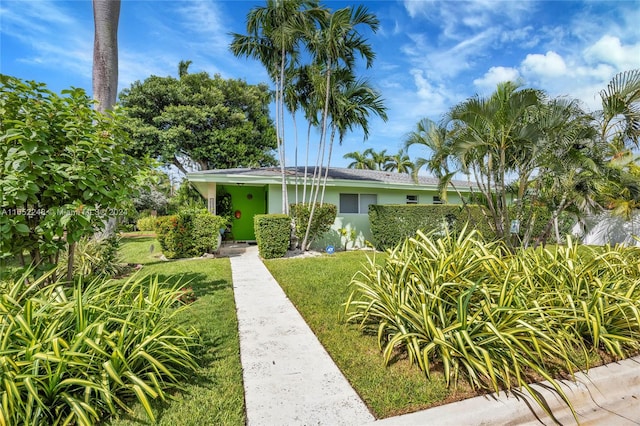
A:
(323, 137)
(106, 14)
(70, 260)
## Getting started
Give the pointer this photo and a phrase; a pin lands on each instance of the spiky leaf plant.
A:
(499, 320)
(71, 355)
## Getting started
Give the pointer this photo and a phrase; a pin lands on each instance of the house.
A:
(259, 191)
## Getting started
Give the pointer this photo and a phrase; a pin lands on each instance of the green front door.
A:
(246, 202)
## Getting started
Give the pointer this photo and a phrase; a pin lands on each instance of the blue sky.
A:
(431, 55)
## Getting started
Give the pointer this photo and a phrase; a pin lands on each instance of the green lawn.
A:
(216, 395)
(318, 286)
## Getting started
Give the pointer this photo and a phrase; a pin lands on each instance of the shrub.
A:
(94, 256)
(64, 170)
(164, 228)
(273, 232)
(323, 217)
(73, 355)
(495, 318)
(206, 233)
(146, 223)
(191, 232)
(392, 224)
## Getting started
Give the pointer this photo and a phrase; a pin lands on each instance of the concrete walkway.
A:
(289, 378)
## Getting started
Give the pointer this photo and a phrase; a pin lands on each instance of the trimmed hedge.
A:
(189, 233)
(273, 232)
(323, 217)
(392, 224)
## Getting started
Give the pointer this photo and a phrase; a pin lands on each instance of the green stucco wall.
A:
(268, 199)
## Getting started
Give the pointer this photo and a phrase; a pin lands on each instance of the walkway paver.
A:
(289, 378)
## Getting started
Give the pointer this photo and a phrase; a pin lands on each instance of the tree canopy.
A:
(63, 170)
(199, 122)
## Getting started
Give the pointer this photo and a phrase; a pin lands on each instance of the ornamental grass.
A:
(496, 319)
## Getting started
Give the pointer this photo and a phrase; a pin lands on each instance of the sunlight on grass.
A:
(318, 287)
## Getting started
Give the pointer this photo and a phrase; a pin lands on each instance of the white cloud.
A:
(207, 23)
(496, 75)
(610, 50)
(548, 65)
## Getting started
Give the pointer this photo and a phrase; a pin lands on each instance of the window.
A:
(357, 203)
(348, 203)
(437, 200)
(412, 199)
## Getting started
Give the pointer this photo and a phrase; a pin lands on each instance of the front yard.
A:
(215, 396)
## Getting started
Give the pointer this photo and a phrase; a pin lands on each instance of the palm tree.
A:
(619, 127)
(619, 120)
(492, 137)
(441, 164)
(360, 161)
(400, 163)
(351, 105)
(334, 45)
(274, 34)
(378, 158)
(569, 162)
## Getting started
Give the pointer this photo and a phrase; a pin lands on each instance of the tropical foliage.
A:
(369, 159)
(496, 319)
(199, 122)
(519, 144)
(64, 171)
(73, 355)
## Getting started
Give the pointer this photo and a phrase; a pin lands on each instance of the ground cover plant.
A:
(214, 394)
(498, 320)
(71, 354)
(319, 296)
(207, 389)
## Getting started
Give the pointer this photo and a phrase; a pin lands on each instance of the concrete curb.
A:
(608, 395)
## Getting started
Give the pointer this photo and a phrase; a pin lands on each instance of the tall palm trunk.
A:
(326, 172)
(105, 53)
(106, 14)
(280, 119)
(323, 137)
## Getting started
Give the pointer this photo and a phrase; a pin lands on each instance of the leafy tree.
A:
(63, 170)
(200, 122)
(186, 197)
(154, 191)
